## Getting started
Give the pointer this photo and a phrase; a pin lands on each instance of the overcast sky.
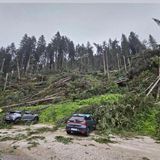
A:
(80, 22)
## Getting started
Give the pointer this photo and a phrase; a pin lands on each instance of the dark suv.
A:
(80, 123)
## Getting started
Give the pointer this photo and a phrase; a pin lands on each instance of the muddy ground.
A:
(40, 142)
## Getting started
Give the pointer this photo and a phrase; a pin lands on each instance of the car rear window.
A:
(77, 119)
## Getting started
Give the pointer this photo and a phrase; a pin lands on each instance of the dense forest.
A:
(62, 54)
(116, 81)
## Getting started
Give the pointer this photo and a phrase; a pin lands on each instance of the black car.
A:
(81, 123)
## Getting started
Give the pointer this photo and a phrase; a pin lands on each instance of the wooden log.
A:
(154, 85)
(151, 85)
(32, 103)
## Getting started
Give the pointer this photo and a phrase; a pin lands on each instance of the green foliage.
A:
(132, 113)
(4, 125)
(103, 140)
(64, 140)
(58, 112)
(99, 100)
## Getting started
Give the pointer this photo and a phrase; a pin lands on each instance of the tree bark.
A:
(153, 86)
(35, 102)
(104, 63)
(2, 65)
(107, 65)
(5, 84)
(124, 61)
(129, 62)
(18, 70)
(118, 64)
(28, 64)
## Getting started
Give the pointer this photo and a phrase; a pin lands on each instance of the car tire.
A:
(87, 132)
(17, 120)
(94, 127)
(35, 120)
(68, 132)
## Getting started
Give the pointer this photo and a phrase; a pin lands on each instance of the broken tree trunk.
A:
(5, 84)
(118, 64)
(153, 86)
(150, 85)
(32, 103)
(2, 65)
(18, 71)
(124, 61)
(129, 62)
(108, 76)
(104, 63)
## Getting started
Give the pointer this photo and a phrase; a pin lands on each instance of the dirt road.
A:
(39, 142)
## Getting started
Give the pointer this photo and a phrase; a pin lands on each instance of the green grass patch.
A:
(103, 140)
(59, 111)
(146, 122)
(64, 140)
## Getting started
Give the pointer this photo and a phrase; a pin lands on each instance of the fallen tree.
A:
(32, 103)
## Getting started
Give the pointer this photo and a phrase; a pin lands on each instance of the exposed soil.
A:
(25, 143)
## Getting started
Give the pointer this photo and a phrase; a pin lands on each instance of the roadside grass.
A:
(64, 140)
(18, 137)
(35, 137)
(103, 140)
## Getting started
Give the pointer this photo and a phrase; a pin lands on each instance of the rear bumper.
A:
(76, 130)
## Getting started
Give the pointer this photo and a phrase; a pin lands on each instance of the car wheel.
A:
(68, 132)
(87, 132)
(94, 127)
(35, 120)
(17, 120)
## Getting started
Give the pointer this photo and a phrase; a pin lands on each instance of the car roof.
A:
(15, 111)
(28, 112)
(82, 115)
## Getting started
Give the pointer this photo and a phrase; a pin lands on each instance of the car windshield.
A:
(76, 119)
(12, 112)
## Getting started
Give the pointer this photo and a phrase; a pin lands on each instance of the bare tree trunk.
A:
(124, 61)
(81, 64)
(104, 63)
(56, 61)
(129, 62)
(2, 65)
(5, 84)
(158, 92)
(107, 65)
(118, 64)
(18, 70)
(28, 64)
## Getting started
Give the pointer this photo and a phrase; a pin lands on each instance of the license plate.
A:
(74, 129)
